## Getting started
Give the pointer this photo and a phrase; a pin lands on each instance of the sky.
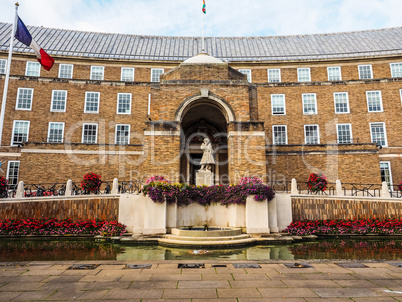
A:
(224, 18)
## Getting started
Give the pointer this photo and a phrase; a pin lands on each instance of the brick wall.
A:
(312, 208)
(105, 208)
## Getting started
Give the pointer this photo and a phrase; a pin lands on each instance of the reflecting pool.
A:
(40, 250)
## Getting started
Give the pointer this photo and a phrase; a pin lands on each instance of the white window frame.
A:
(272, 104)
(381, 103)
(118, 99)
(12, 133)
(360, 71)
(350, 130)
(339, 72)
(299, 74)
(315, 103)
(152, 74)
(247, 72)
(62, 134)
(392, 72)
(8, 170)
(86, 99)
(72, 70)
(273, 134)
(115, 134)
(274, 80)
(18, 96)
(347, 102)
(83, 131)
(92, 73)
(53, 100)
(390, 184)
(3, 61)
(131, 69)
(385, 133)
(318, 134)
(27, 68)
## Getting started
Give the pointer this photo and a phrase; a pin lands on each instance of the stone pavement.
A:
(230, 281)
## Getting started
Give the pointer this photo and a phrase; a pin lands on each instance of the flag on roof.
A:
(204, 7)
(22, 34)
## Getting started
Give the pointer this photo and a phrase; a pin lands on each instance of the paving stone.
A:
(327, 300)
(94, 294)
(390, 283)
(21, 287)
(293, 276)
(287, 292)
(203, 284)
(329, 276)
(154, 284)
(257, 284)
(238, 293)
(25, 279)
(343, 292)
(248, 277)
(206, 293)
(123, 294)
(355, 283)
(310, 283)
(376, 299)
(62, 278)
(191, 277)
(66, 295)
(272, 300)
(217, 277)
(103, 278)
(8, 296)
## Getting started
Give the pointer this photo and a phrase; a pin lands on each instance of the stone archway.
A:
(202, 118)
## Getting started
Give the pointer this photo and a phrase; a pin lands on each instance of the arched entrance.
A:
(200, 119)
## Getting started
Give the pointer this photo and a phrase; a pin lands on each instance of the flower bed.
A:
(60, 227)
(361, 227)
(159, 189)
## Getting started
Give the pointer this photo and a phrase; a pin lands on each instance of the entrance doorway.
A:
(203, 120)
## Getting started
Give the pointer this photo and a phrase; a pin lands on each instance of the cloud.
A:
(224, 17)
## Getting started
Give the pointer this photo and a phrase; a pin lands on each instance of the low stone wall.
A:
(75, 208)
(307, 207)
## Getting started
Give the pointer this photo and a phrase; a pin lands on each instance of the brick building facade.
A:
(276, 107)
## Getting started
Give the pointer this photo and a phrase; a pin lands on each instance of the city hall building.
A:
(131, 106)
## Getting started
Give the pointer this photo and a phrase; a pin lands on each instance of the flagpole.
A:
(5, 91)
(203, 42)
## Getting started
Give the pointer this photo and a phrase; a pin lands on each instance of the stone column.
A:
(256, 216)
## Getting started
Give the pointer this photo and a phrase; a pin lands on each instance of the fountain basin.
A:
(199, 231)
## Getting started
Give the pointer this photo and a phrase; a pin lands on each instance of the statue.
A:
(207, 159)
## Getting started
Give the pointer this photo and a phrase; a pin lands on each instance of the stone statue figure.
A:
(208, 156)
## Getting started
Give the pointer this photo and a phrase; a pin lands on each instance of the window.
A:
(20, 132)
(311, 134)
(90, 133)
(303, 75)
(55, 133)
(279, 135)
(396, 70)
(309, 103)
(378, 134)
(24, 99)
(59, 100)
(341, 100)
(274, 75)
(278, 104)
(91, 102)
(3, 66)
(365, 72)
(13, 172)
(334, 73)
(122, 134)
(127, 74)
(124, 103)
(374, 101)
(33, 69)
(247, 72)
(386, 175)
(156, 74)
(65, 71)
(97, 73)
(344, 132)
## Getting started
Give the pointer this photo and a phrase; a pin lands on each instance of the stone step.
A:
(207, 244)
(225, 238)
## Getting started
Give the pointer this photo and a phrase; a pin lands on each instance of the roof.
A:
(74, 43)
